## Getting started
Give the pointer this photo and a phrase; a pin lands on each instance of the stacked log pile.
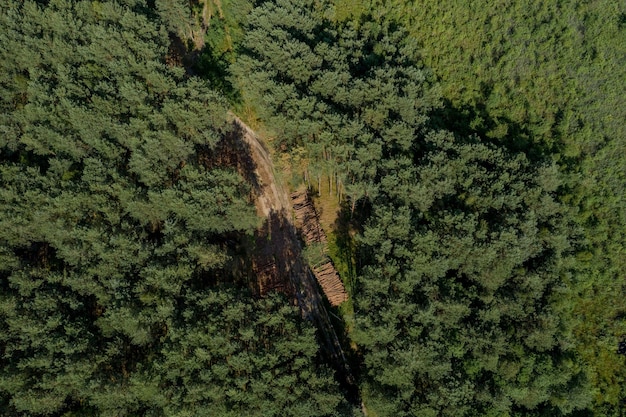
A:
(306, 218)
(308, 223)
(330, 282)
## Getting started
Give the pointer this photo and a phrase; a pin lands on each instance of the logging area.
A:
(277, 260)
(308, 223)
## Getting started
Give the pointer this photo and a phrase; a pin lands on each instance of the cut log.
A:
(307, 221)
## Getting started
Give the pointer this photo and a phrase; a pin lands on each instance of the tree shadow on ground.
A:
(471, 123)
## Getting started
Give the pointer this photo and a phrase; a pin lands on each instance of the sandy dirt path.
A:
(274, 204)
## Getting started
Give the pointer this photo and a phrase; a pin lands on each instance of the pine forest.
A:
(312, 208)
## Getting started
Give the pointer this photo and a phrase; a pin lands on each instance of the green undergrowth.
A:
(343, 260)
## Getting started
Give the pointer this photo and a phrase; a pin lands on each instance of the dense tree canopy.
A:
(466, 244)
(548, 78)
(116, 238)
(477, 149)
(348, 94)
(456, 312)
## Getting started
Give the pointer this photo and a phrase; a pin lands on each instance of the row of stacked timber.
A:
(306, 218)
(308, 223)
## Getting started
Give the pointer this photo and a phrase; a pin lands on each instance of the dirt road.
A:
(281, 245)
(270, 196)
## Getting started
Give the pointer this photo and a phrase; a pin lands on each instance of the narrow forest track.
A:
(270, 197)
(279, 252)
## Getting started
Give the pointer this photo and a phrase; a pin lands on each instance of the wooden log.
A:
(307, 221)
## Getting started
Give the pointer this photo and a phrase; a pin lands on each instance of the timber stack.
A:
(306, 218)
(308, 223)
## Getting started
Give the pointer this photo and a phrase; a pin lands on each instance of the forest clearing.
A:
(308, 222)
(275, 267)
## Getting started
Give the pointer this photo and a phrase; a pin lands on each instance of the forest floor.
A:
(327, 206)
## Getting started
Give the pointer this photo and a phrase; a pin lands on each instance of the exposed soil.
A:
(270, 196)
(277, 260)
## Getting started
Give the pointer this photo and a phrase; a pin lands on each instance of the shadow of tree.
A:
(471, 123)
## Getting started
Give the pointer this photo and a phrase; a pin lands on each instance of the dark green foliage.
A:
(464, 253)
(546, 77)
(489, 206)
(176, 16)
(349, 95)
(116, 237)
(456, 310)
(229, 357)
(224, 36)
